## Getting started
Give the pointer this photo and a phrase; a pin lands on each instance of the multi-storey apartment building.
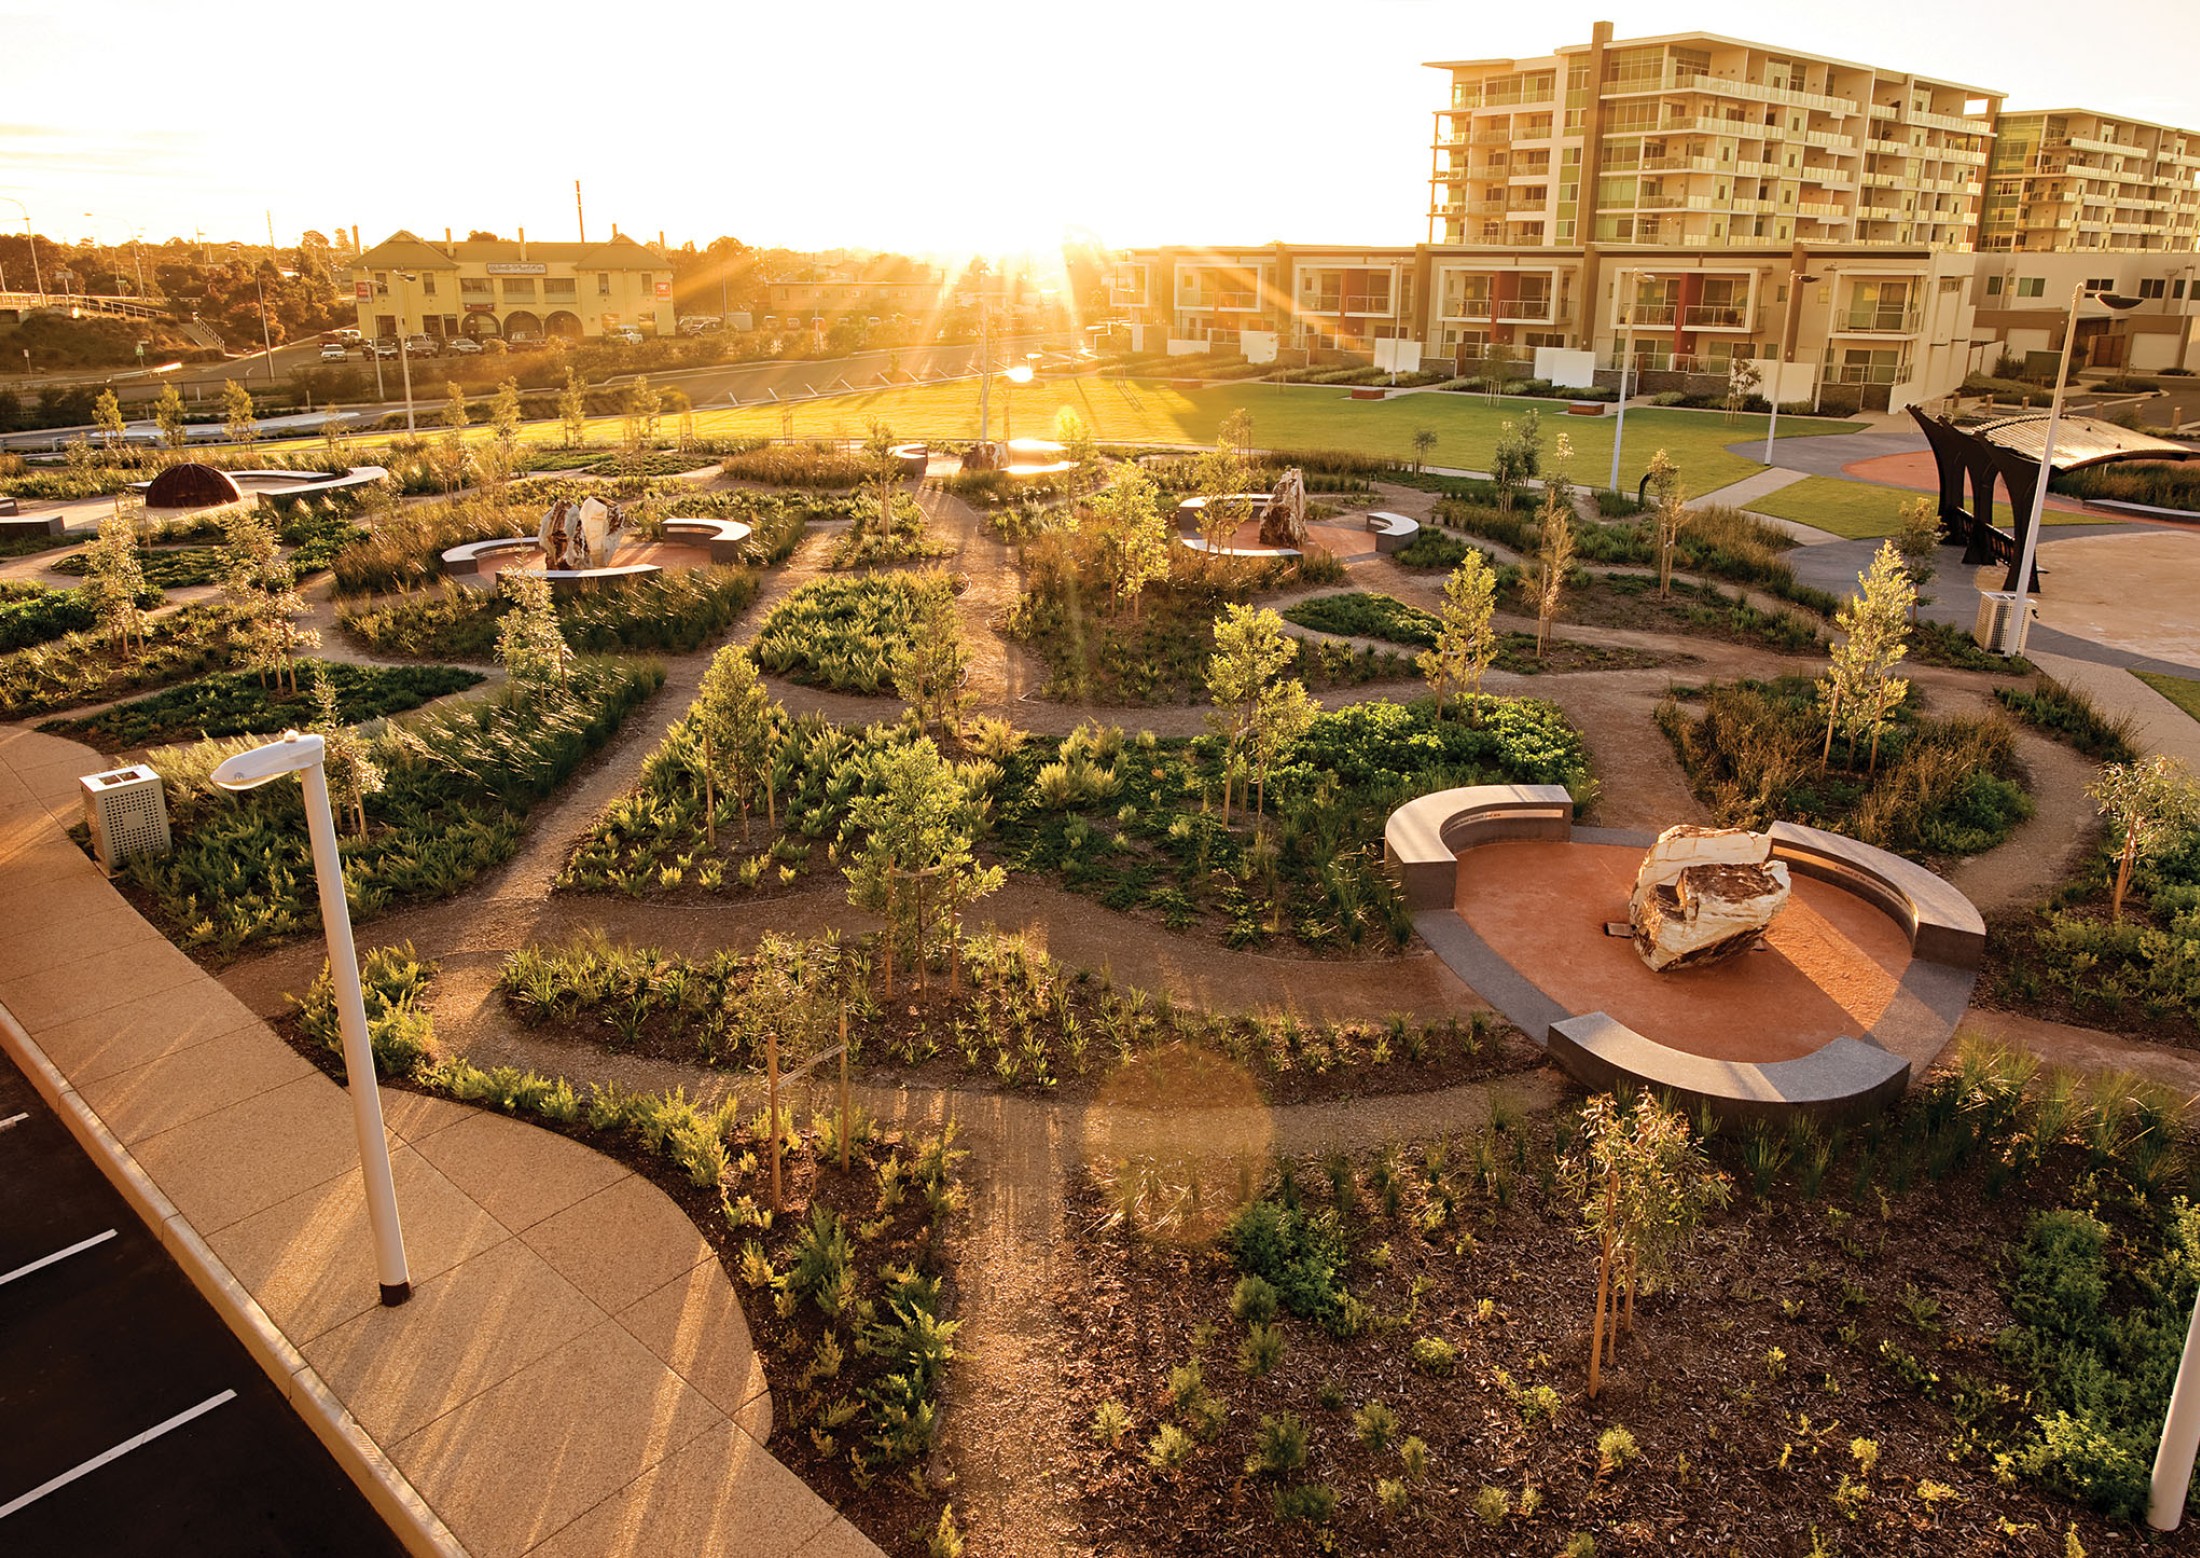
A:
(1655, 198)
(2069, 178)
(490, 287)
(1696, 140)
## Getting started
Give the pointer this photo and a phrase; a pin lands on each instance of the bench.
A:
(913, 459)
(461, 562)
(1370, 392)
(1585, 408)
(1423, 839)
(1844, 1079)
(1392, 531)
(723, 537)
(1943, 925)
(19, 524)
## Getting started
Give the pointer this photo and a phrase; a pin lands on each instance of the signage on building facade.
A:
(664, 289)
(481, 308)
(517, 268)
(363, 291)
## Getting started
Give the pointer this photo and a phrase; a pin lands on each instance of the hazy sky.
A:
(943, 125)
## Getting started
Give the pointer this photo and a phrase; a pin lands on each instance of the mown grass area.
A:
(1154, 411)
(235, 703)
(2180, 690)
(1864, 511)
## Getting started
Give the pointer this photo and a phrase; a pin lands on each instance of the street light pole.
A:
(1626, 361)
(985, 368)
(303, 755)
(404, 346)
(2012, 636)
(1796, 282)
(267, 341)
(37, 279)
(2180, 1437)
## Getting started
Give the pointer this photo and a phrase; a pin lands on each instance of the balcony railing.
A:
(1866, 373)
(1715, 316)
(1889, 321)
(1648, 314)
(1525, 311)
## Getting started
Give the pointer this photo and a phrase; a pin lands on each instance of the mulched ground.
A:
(1786, 1338)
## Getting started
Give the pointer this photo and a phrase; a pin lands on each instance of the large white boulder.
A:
(1704, 895)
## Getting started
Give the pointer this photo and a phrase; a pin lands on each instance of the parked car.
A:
(700, 324)
(423, 345)
(334, 351)
(522, 338)
(626, 335)
(349, 337)
(463, 346)
(385, 347)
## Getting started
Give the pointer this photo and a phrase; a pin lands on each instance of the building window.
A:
(519, 289)
(2178, 289)
(476, 287)
(1993, 286)
(2154, 287)
(2031, 286)
(603, 284)
(427, 284)
(2101, 284)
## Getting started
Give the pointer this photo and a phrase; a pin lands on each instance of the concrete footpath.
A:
(573, 1375)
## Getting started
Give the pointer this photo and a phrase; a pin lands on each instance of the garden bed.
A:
(238, 703)
(1836, 1366)
(84, 668)
(661, 613)
(1630, 601)
(843, 633)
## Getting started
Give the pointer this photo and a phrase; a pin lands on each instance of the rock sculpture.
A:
(1283, 517)
(1704, 895)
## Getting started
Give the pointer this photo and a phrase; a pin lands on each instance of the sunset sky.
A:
(970, 125)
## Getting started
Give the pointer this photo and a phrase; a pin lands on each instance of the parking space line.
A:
(13, 1120)
(44, 1261)
(114, 1454)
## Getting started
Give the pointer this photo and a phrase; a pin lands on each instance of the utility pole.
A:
(580, 216)
(985, 365)
(259, 280)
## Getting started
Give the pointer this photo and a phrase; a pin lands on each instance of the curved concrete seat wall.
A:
(1841, 1080)
(1943, 925)
(913, 460)
(723, 537)
(1392, 531)
(1423, 838)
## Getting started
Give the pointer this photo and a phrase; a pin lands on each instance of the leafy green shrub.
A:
(234, 703)
(844, 633)
(394, 983)
(1313, 1502)
(1279, 1446)
(166, 568)
(42, 616)
(83, 667)
(1360, 615)
(802, 465)
(1303, 1257)
(2165, 484)
(1375, 1425)
(1432, 549)
(1261, 1350)
(669, 613)
(1434, 1355)
(1253, 1301)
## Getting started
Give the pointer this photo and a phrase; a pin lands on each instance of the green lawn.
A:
(1284, 416)
(1862, 510)
(2180, 690)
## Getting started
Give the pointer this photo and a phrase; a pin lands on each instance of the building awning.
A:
(2079, 441)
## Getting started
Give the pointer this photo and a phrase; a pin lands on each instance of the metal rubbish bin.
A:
(1994, 607)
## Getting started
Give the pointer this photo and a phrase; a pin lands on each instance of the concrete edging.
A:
(393, 1496)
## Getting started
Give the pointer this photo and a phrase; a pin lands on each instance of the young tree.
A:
(1919, 543)
(347, 758)
(1643, 1186)
(1670, 516)
(504, 426)
(1466, 638)
(455, 418)
(878, 443)
(1236, 434)
(931, 669)
(737, 721)
(237, 419)
(1859, 689)
(1074, 434)
(572, 410)
(168, 416)
(917, 822)
(107, 416)
(1517, 459)
(1424, 439)
(1130, 535)
(262, 591)
(1743, 377)
(530, 645)
(1554, 545)
(2150, 806)
(1221, 476)
(641, 406)
(114, 581)
(335, 442)
(1256, 707)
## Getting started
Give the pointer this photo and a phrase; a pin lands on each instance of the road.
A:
(131, 1421)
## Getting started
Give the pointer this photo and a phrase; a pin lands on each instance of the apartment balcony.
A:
(1715, 316)
(1703, 124)
(1880, 214)
(1866, 373)
(1975, 158)
(1530, 175)
(1951, 122)
(2088, 143)
(1526, 213)
(1648, 315)
(1758, 170)
(1828, 139)
(1878, 321)
(1884, 110)
(1683, 80)
(1890, 148)
(1490, 138)
(1675, 203)
(1820, 210)
(1829, 178)
(1481, 207)
(1447, 142)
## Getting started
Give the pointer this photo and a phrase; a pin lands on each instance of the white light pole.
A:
(1796, 282)
(2180, 1437)
(1626, 362)
(2012, 637)
(302, 755)
(404, 350)
(37, 280)
(267, 341)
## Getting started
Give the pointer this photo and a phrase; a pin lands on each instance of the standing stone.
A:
(1704, 895)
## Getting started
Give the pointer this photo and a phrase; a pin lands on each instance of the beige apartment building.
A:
(407, 286)
(1655, 196)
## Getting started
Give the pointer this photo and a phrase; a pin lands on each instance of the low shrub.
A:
(666, 613)
(394, 982)
(2166, 484)
(802, 465)
(2070, 715)
(237, 703)
(844, 633)
(41, 616)
(1303, 1256)
(83, 667)
(1359, 615)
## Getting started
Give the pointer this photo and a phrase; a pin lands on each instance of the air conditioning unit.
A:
(127, 812)
(1995, 607)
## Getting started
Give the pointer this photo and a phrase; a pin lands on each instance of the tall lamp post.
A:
(32, 234)
(1626, 364)
(302, 755)
(2012, 636)
(2180, 1437)
(1797, 280)
(404, 346)
(1020, 374)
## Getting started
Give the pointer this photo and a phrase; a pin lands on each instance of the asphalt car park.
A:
(131, 1421)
